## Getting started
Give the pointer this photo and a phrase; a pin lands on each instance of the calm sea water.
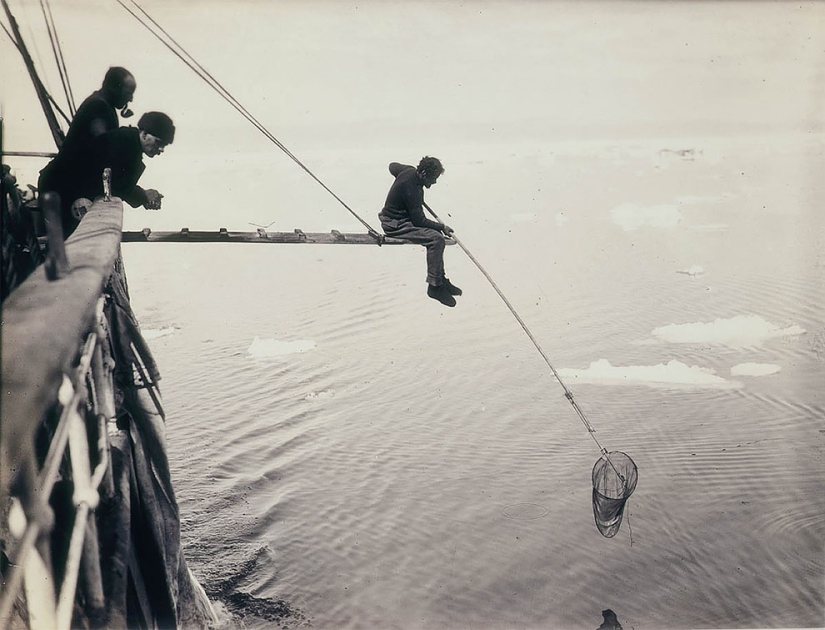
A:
(642, 179)
(347, 446)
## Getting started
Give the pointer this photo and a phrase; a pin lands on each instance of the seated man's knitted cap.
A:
(159, 125)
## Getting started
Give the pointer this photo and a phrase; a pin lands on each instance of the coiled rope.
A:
(167, 40)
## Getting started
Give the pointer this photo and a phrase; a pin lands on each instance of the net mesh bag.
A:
(614, 480)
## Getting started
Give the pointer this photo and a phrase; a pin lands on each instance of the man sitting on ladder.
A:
(403, 217)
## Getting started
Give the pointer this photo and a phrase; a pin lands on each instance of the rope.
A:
(42, 93)
(58, 54)
(62, 62)
(567, 393)
(210, 80)
(49, 96)
(629, 528)
(13, 41)
(59, 111)
(151, 386)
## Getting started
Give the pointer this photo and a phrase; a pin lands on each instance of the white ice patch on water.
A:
(742, 331)
(630, 216)
(154, 333)
(327, 393)
(689, 155)
(262, 348)
(754, 369)
(673, 373)
(692, 271)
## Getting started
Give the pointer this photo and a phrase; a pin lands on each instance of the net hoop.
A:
(614, 479)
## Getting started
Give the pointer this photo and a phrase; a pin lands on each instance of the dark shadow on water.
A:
(244, 605)
(222, 587)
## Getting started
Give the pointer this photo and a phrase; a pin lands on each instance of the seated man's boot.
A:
(441, 293)
(454, 290)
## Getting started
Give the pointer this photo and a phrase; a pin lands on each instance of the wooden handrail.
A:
(44, 323)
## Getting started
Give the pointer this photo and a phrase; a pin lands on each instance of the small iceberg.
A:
(742, 331)
(263, 348)
(673, 373)
(327, 393)
(684, 154)
(692, 271)
(754, 369)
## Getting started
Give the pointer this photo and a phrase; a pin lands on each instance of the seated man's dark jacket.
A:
(78, 171)
(406, 197)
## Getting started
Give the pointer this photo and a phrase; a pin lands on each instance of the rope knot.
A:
(380, 239)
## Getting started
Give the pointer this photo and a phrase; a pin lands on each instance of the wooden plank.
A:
(45, 321)
(223, 235)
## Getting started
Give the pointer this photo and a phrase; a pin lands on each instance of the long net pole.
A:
(567, 393)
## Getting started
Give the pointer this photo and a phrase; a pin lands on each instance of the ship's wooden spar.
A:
(334, 237)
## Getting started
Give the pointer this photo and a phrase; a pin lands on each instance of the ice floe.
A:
(742, 331)
(692, 271)
(261, 348)
(754, 369)
(154, 333)
(682, 154)
(631, 216)
(327, 393)
(673, 373)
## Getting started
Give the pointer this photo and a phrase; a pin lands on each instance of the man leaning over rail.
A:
(403, 217)
(76, 174)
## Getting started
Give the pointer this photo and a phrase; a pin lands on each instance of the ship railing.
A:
(56, 360)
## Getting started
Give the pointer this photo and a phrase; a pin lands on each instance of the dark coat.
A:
(77, 172)
(95, 107)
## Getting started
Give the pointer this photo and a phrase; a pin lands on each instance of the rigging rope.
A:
(58, 54)
(41, 91)
(13, 41)
(49, 96)
(567, 393)
(210, 80)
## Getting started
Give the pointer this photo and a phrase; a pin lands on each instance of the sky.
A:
(344, 84)
(441, 62)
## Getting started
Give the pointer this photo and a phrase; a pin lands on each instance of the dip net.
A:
(614, 480)
(615, 474)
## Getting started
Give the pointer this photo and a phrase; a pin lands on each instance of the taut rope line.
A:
(567, 393)
(58, 55)
(49, 96)
(198, 69)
